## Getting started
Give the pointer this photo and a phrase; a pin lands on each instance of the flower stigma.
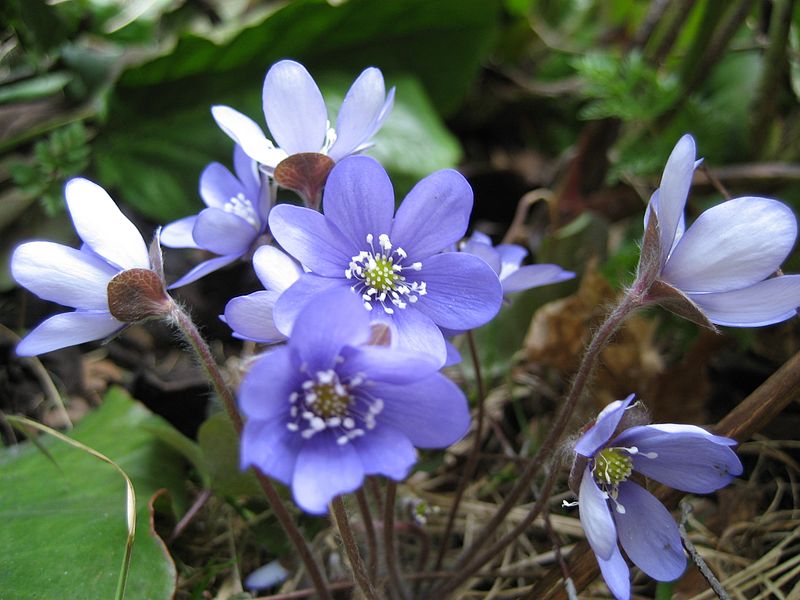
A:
(326, 402)
(378, 275)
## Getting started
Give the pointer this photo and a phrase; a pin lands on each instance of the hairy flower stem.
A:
(388, 541)
(471, 560)
(188, 329)
(472, 459)
(369, 528)
(351, 547)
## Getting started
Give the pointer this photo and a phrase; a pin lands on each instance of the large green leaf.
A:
(64, 527)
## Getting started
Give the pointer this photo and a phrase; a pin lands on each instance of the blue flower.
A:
(235, 217)
(80, 278)
(506, 260)
(298, 119)
(612, 507)
(325, 410)
(723, 264)
(392, 262)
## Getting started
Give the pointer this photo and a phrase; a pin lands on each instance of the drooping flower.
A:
(298, 119)
(392, 262)
(721, 267)
(251, 316)
(325, 410)
(613, 508)
(235, 217)
(110, 281)
(506, 260)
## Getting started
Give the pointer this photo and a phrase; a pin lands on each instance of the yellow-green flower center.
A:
(612, 466)
(330, 401)
(381, 275)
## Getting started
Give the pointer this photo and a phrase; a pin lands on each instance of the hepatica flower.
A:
(723, 264)
(506, 260)
(614, 508)
(235, 217)
(325, 410)
(392, 263)
(109, 282)
(297, 118)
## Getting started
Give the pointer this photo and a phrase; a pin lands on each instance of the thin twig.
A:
(199, 502)
(351, 548)
(472, 459)
(388, 540)
(712, 580)
(372, 538)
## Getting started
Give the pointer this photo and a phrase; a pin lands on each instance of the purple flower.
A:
(250, 316)
(112, 246)
(392, 262)
(325, 410)
(298, 119)
(231, 225)
(723, 264)
(612, 507)
(506, 260)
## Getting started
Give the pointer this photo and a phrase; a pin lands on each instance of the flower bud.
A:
(306, 174)
(137, 294)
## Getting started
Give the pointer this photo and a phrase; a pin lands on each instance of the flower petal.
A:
(221, 232)
(332, 320)
(103, 227)
(463, 291)
(359, 199)
(276, 270)
(246, 170)
(432, 412)
(68, 329)
(251, 317)
(391, 365)
(598, 434)
(265, 390)
(325, 469)
(531, 276)
(674, 190)
(247, 134)
(362, 107)
(477, 247)
(312, 239)
(294, 108)
(649, 534)
(596, 517)
(271, 447)
(62, 274)
(178, 234)
(453, 355)
(511, 256)
(413, 330)
(434, 215)
(616, 574)
(686, 460)
(203, 269)
(218, 186)
(732, 245)
(386, 451)
(764, 303)
(294, 299)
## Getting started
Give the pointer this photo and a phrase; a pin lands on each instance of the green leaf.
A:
(64, 526)
(220, 446)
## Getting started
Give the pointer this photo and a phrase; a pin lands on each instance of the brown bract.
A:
(137, 294)
(306, 174)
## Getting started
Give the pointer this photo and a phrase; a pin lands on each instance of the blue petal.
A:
(391, 365)
(688, 458)
(203, 269)
(598, 434)
(275, 269)
(616, 574)
(531, 276)
(673, 191)
(68, 329)
(296, 297)
(218, 186)
(247, 134)
(359, 199)
(434, 215)
(251, 317)
(432, 412)
(325, 469)
(222, 232)
(312, 239)
(413, 330)
(246, 169)
(649, 534)
(362, 109)
(334, 319)
(596, 517)
(463, 291)
(478, 246)
(178, 234)
(385, 451)
(270, 447)
(265, 390)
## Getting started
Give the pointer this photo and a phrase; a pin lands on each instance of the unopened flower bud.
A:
(137, 294)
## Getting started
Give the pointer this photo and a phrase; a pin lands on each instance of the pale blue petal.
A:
(222, 232)
(596, 517)
(385, 451)
(616, 574)
(251, 317)
(203, 269)
(178, 234)
(265, 389)
(247, 134)
(531, 276)
(674, 190)
(764, 303)
(361, 109)
(269, 446)
(413, 330)
(324, 470)
(276, 270)
(598, 434)
(296, 297)
(218, 186)
(392, 365)
(68, 329)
